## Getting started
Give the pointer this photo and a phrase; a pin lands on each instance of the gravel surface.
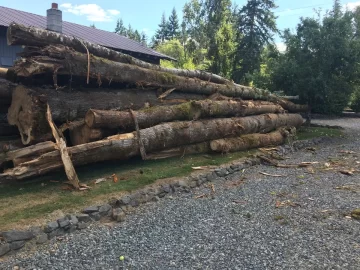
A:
(239, 227)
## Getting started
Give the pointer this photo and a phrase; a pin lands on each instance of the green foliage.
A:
(173, 25)
(93, 26)
(163, 32)
(120, 29)
(355, 100)
(255, 27)
(320, 63)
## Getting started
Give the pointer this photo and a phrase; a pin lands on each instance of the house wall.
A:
(7, 53)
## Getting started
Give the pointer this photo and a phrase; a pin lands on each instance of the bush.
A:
(355, 101)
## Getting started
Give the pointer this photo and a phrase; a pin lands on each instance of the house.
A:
(53, 21)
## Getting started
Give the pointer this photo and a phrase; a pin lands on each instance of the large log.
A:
(64, 60)
(30, 36)
(157, 138)
(186, 111)
(28, 107)
(6, 89)
(81, 133)
(251, 141)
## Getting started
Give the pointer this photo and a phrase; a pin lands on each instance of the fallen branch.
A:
(273, 175)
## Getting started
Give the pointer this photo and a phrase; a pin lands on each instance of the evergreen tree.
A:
(130, 33)
(120, 29)
(93, 26)
(162, 33)
(173, 25)
(144, 39)
(255, 26)
(137, 36)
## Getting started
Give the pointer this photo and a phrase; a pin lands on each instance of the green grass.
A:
(39, 197)
(306, 133)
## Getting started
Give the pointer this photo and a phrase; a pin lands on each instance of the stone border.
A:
(117, 209)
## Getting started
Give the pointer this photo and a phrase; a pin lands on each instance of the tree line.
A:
(320, 63)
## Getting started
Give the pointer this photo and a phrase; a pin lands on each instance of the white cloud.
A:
(352, 5)
(281, 46)
(93, 12)
(113, 12)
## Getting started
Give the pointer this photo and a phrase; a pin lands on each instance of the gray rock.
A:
(155, 199)
(182, 183)
(166, 188)
(91, 209)
(125, 200)
(5, 248)
(12, 236)
(118, 214)
(51, 226)
(105, 209)
(82, 225)
(71, 229)
(162, 194)
(73, 219)
(83, 218)
(211, 176)
(95, 216)
(17, 245)
(36, 230)
(41, 238)
(221, 172)
(231, 171)
(114, 202)
(57, 232)
(193, 184)
(64, 222)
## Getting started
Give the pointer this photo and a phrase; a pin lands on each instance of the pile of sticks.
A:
(107, 105)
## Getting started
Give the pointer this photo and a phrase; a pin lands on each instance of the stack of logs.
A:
(109, 105)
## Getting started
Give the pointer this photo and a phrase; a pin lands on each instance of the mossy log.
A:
(186, 111)
(64, 60)
(251, 141)
(154, 139)
(28, 107)
(30, 36)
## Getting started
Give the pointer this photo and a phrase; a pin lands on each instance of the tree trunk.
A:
(31, 36)
(80, 133)
(64, 60)
(6, 89)
(251, 141)
(157, 138)
(27, 110)
(186, 111)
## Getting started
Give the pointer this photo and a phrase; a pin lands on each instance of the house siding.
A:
(7, 53)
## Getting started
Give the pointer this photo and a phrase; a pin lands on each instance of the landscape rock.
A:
(63, 222)
(41, 238)
(82, 225)
(166, 188)
(95, 216)
(125, 200)
(12, 236)
(104, 210)
(17, 245)
(83, 218)
(118, 214)
(91, 209)
(73, 219)
(51, 226)
(4, 248)
(57, 232)
(211, 176)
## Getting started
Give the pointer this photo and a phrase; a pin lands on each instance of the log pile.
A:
(107, 105)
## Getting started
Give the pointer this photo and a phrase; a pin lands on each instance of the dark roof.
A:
(97, 36)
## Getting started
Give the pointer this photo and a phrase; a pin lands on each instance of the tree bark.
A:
(6, 89)
(64, 60)
(157, 138)
(251, 141)
(28, 107)
(21, 35)
(186, 111)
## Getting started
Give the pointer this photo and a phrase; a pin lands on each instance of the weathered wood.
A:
(64, 60)
(187, 111)
(27, 110)
(81, 133)
(251, 141)
(21, 35)
(6, 89)
(61, 144)
(157, 138)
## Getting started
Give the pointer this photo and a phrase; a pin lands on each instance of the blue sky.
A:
(145, 15)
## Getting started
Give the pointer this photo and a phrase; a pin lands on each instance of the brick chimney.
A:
(54, 18)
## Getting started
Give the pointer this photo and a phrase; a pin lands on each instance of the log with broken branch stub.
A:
(186, 111)
(30, 36)
(28, 107)
(65, 60)
(157, 138)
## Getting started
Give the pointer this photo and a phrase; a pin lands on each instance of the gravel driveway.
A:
(296, 221)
